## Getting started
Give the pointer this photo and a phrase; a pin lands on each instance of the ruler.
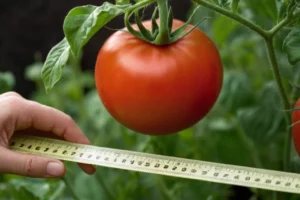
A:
(158, 164)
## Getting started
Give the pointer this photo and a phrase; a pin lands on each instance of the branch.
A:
(234, 16)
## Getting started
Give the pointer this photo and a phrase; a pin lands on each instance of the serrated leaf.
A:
(83, 22)
(291, 46)
(262, 122)
(263, 11)
(236, 92)
(55, 63)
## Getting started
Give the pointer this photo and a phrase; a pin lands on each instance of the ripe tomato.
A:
(296, 127)
(158, 90)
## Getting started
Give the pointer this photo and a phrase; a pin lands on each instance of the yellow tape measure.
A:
(158, 164)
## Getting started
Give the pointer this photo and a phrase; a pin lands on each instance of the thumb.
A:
(29, 165)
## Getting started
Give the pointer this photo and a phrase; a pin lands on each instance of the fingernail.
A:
(55, 169)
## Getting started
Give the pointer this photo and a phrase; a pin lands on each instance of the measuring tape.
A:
(158, 164)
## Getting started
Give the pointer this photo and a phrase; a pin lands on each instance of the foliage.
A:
(246, 127)
(7, 81)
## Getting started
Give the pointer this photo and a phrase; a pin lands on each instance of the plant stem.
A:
(163, 188)
(129, 12)
(104, 187)
(139, 5)
(163, 36)
(70, 188)
(250, 147)
(234, 16)
(272, 58)
(268, 37)
(278, 27)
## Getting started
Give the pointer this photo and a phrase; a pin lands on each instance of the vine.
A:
(268, 36)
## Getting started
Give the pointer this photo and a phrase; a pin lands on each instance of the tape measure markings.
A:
(159, 164)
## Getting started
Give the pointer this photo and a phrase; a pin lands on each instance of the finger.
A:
(89, 169)
(48, 119)
(31, 114)
(30, 165)
(7, 94)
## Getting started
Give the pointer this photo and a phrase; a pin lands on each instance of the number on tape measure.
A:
(158, 164)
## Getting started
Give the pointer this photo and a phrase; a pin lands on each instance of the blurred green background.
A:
(245, 127)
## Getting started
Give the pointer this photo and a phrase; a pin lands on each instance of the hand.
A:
(22, 116)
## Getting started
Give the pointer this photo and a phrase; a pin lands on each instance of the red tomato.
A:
(158, 90)
(296, 127)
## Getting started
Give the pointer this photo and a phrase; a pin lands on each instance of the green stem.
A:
(163, 188)
(268, 37)
(250, 147)
(70, 188)
(81, 106)
(163, 36)
(278, 27)
(104, 187)
(139, 5)
(129, 12)
(234, 16)
(274, 195)
(272, 58)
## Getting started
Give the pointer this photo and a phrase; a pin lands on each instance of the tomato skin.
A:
(296, 127)
(158, 90)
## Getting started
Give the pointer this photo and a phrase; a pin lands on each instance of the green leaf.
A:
(224, 3)
(83, 22)
(291, 46)
(264, 12)
(262, 122)
(235, 5)
(122, 2)
(221, 37)
(49, 189)
(54, 64)
(22, 193)
(7, 81)
(282, 9)
(33, 71)
(236, 92)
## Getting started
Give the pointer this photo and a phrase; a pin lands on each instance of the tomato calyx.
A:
(161, 34)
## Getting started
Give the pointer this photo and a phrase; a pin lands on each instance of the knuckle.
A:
(13, 100)
(11, 93)
(11, 104)
(28, 167)
(69, 119)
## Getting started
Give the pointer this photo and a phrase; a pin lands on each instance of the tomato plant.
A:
(248, 124)
(159, 89)
(296, 126)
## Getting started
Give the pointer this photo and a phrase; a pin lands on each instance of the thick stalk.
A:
(234, 16)
(163, 36)
(278, 27)
(284, 99)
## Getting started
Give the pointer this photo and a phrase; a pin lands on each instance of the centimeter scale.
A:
(158, 164)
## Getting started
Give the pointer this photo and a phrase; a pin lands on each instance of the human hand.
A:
(21, 116)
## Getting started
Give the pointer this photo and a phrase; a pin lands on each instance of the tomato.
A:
(158, 90)
(296, 127)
